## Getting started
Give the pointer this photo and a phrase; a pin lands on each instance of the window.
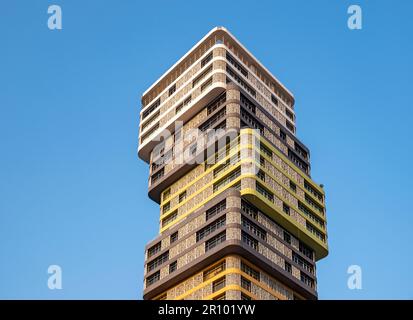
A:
(204, 232)
(237, 186)
(247, 104)
(264, 191)
(227, 179)
(265, 150)
(300, 150)
(220, 297)
(297, 161)
(219, 207)
(159, 150)
(166, 194)
(312, 190)
(218, 284)
(216, 103)
(245, 283)
(283, 135)
(158, 261)
(237, 65)
(182, 196)
(154, 249)
(153, 278)
(149, 133)
(211, 121)
(214, 132)
(187, 101)
(262, 161)
(183, 104)
(206, 84)
(315, 231)
(174, 237)
(157, 175)
(313, 204)
(307, 280)
(253, 228)
(166, 207)
(179, 108)
(169, 218)
(303, 263)
(173, 266)
(201, 76)
(287, 267)
(249, 241)
(286, 209)
(150, 120)
(274, 100)
(245, 297)
(306, 251)
(290, 126)
(192, 149)
(214, 241)
(159, 155)
(238, 79)
(168, 156)
(261, 175)
(206, 60)
(172, 89)
(213, 271)
(310, 214)
(251, 122)
(250, 271)
(287, 237)
(150, 109)
(220, 154)
(289, 114)
(249, 209)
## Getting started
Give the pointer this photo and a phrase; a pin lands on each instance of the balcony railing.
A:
(214, 241)
(231, 177)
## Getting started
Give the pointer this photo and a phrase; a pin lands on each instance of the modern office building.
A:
(240, 216)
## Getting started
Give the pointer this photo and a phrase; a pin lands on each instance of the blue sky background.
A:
(73, 192)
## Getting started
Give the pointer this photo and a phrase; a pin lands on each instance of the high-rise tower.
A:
(240, 216)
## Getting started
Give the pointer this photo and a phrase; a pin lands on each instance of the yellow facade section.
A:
(319, 245)
(237, 287)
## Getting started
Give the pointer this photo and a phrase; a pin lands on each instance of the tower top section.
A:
(218, 36)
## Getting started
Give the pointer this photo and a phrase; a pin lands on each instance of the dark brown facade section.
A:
(227, 247)
(299, 153)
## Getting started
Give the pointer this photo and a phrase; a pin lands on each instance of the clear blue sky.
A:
(73, 192)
